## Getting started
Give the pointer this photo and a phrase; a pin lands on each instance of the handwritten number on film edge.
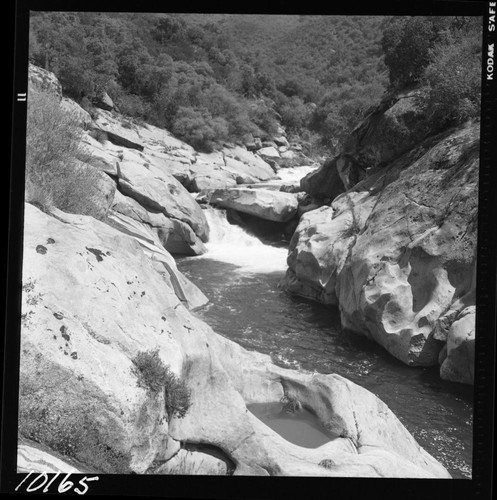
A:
(64, 486)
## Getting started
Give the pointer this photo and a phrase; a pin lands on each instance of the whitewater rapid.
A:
(293, 175)
(231, 244)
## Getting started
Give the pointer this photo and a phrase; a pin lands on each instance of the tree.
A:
(197, 127)
(406, 44)
(453, 77)
(167, 27)
(295, 114)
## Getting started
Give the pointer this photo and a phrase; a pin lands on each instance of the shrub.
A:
(222, 103)
(130, 104)
(454, 81)
(262, 115)
(327, 463)
(75, 80)
(56, 170)
(153, 375)
(199, 129)
(295, 114)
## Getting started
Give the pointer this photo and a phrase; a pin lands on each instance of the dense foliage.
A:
(215, 78)
(211, 78)
(444, 55)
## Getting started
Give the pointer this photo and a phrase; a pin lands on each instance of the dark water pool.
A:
(251, 310)
(300, 427)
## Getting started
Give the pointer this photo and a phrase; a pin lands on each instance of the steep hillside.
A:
(217, 78)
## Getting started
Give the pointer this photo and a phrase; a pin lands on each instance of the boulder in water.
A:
(271, 205)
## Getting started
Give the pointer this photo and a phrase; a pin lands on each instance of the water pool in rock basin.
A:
(248, 308)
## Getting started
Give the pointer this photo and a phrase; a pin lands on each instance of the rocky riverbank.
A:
(100, 291)
(77, 367)
(396, 248)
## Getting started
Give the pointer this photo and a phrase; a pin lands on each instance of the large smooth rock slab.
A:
(152, 246)
(93, 299)
(209, 177)
(177, 166)
(266, 204)
(241, 169)
(159, 191)
(252, 164)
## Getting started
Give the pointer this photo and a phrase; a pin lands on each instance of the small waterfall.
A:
(292, 175)
(230, 243)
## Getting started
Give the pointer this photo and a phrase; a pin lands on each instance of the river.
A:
(240, 275)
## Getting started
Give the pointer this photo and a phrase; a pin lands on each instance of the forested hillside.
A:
(222, 78)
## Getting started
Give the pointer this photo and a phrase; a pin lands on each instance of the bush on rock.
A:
(57, 172)
(153, 375)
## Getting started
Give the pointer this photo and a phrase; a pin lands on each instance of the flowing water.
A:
(292, 175)
(239, 275)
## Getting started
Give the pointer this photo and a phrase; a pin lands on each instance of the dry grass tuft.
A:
(57, 173)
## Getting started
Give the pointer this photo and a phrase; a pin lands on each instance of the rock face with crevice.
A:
(94, 297)
(397, 254)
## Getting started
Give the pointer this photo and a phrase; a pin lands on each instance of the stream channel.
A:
(240, 275)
